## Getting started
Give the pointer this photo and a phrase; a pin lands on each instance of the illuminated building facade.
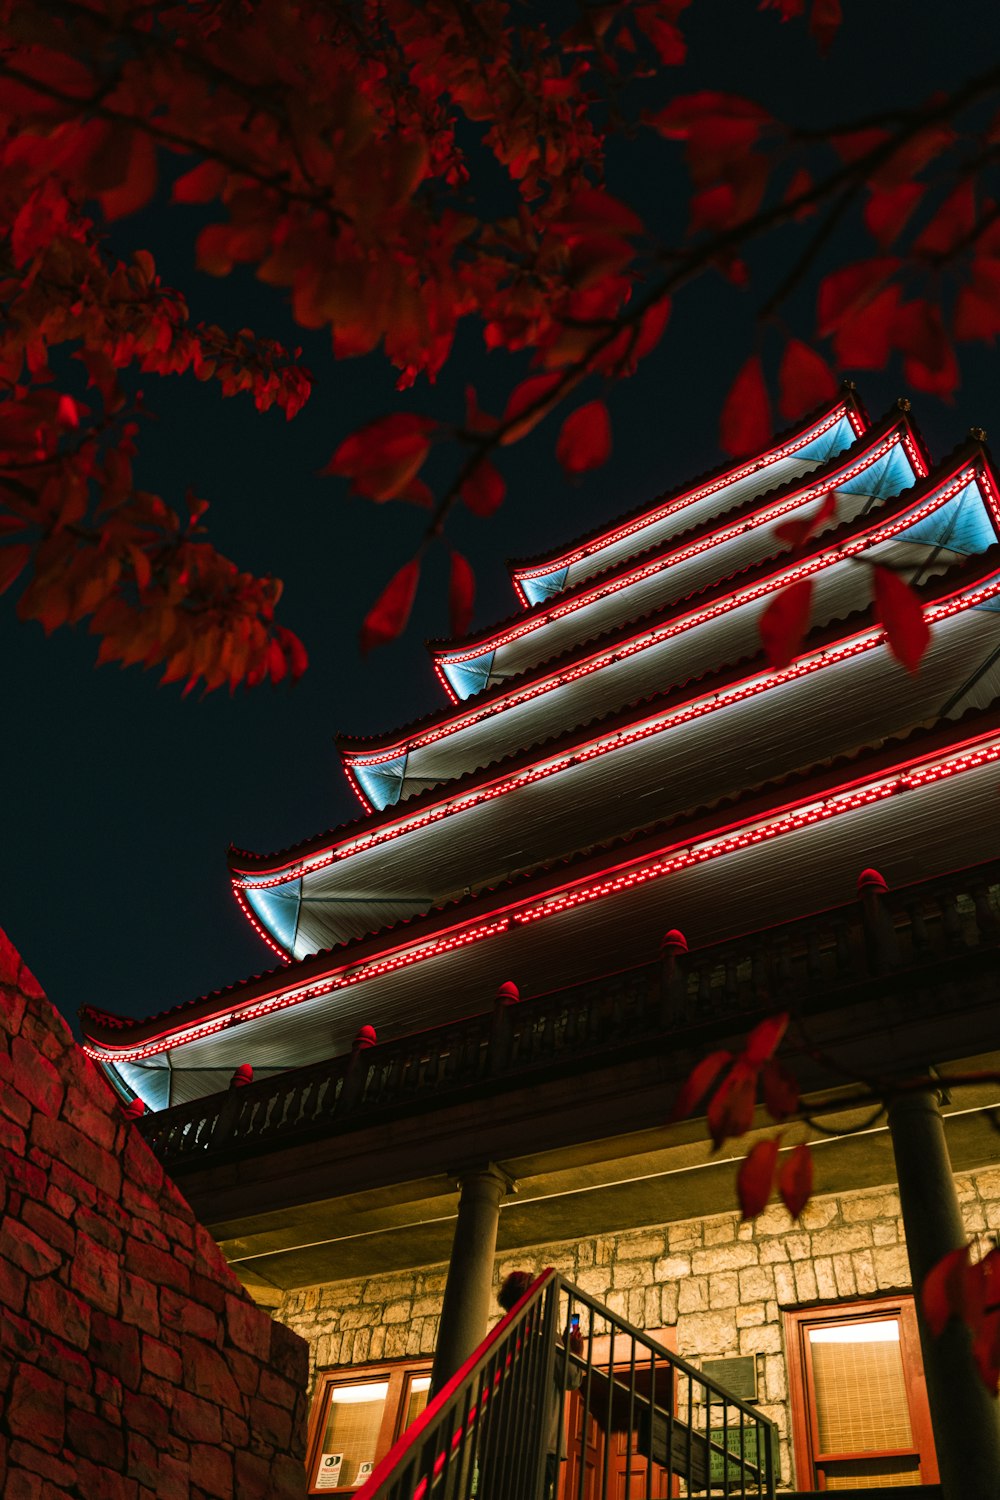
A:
(615, 762)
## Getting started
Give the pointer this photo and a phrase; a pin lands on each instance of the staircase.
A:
(623, 1419)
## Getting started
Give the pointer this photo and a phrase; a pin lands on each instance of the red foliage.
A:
(755, 1177)
(385, 456)
(585, 440)
(899, 610)
(805, 380)
(745, 426)
(959, 1287)
(388, 615)
(795, 533)
(795, 1180)
(461, 594)
(785, 621)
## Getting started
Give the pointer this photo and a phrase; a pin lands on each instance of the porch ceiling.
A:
(578, 1188)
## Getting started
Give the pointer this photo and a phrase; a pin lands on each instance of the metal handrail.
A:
(824, 956)
(488, 1432)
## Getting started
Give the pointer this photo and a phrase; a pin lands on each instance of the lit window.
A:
(357, 1416)
(859, 1402)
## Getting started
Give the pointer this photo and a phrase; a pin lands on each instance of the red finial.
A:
(366, 1037)
(673, 941)
(242, 1076)
(134, 1109)
(508, 992)
(871, 880)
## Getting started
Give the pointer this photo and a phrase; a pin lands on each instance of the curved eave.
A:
(784, 444)
(359, 756)
(918, 759)
(326, 873)
(454, 659)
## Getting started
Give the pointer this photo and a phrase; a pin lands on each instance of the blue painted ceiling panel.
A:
(277, 909)
(382, 784)
(469, 677)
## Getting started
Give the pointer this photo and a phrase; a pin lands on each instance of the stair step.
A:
(864, 1492)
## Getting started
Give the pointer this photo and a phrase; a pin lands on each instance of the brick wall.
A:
(132, 1364)
(723, 1284)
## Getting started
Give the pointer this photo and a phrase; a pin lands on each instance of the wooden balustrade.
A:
(812, 963)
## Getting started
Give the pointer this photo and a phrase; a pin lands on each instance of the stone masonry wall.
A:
(133, 1366)
(722, 1284)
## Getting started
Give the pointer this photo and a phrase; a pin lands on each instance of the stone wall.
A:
(722, 1284)
(132, 1364)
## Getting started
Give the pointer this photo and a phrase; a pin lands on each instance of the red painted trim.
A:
(591, 592)
(684, 853)
(412, 1435)
(618, 531)
(675, 624)
(708, 702)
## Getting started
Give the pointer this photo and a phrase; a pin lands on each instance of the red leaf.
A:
(592, 209)
(461, 592)
(529, 397)
(585, 440)
(730, 1110)
(850, 289)
(755, 1178)
(484, 489)
(201, 184)
(746, 416)
(12, 562)
(888, 209)
(977, 310)
(698, 1082)
(862, 339)
(666, 38)
(138, 180)
(765, 1038)
(781, 1091)
(391, 610)
(785, 621)
(795, 1180)
(954, 222)
(898, 608)
(67, 412)
(383, 457)
(930, 364)
(824, 22)
(942, 1292)
(797, 532)
(651, 327)
(805, 380)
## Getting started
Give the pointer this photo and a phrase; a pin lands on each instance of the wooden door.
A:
(628, 1471)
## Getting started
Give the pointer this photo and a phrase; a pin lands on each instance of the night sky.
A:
(120, 797)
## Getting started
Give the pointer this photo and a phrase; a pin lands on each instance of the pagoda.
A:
(619, 749)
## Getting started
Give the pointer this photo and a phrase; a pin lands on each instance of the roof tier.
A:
(653, 759)
(792, 454)
(912, 808)
(951, 514)
(884, 461)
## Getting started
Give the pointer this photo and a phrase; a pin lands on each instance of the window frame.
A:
(809, 1466)
(399, 1374)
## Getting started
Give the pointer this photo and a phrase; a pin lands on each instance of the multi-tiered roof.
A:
(618, 758)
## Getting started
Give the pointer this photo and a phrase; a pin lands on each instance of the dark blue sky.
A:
(120, 798)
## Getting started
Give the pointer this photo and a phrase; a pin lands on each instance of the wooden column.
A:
(965, 1418)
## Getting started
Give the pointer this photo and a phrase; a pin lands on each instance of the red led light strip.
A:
(651, 637)
(697, 708)
(910, 776)
(732, 476)
(768, 513)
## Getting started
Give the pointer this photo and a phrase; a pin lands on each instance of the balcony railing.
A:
(932, 929)
(641, 1421)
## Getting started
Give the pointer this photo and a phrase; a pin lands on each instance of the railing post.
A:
(357, 1069)
(672, 977)
(880, 933)
(226, 1119)
(502, 1026)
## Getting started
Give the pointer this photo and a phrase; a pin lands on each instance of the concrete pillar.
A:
(469, 1288)
(965, 1417)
